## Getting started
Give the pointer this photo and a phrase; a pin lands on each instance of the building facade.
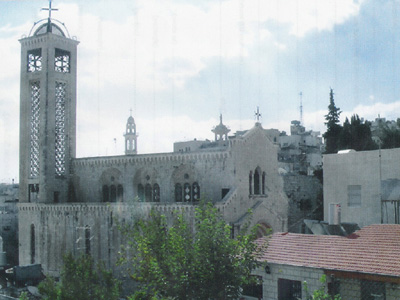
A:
(70, 204)
(366, 184)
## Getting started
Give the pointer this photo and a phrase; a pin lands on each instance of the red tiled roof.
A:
(374, 249)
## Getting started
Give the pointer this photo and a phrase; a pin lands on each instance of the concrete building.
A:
(366, 184)
(70, 204)
(364, 265)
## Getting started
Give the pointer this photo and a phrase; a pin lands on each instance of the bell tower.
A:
(130, 136)
(47, 112)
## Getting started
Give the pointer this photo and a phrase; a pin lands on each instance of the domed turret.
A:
(221, 131)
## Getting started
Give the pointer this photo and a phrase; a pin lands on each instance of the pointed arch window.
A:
(257, 182)
(178, 192)
(196, 191)
(263, 183)
(113, 193)
(106, 194)
(141, 192)
(156, 193)
(187, 192)
(148, 193)
(87, 240)
(251, 183)
(33, 244)
(120, 193)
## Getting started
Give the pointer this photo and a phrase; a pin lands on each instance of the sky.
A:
(178, 64)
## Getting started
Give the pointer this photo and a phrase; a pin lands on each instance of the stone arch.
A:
(109, 180)
(144, 182)
(182, 179)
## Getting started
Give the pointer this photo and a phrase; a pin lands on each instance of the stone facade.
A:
(70, 204)
(356, 288)
(366, 184)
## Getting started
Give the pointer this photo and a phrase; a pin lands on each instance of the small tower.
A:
(221, 131)
(47, 112)
(130, 137)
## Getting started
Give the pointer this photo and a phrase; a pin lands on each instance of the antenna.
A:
(301, 107)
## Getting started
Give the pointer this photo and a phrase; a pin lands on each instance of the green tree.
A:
(182, 261)
(81, 279)
(320, 293)
(356, 135)
(332, 133)
(391, 138)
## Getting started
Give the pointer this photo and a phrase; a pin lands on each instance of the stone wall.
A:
(365, 169)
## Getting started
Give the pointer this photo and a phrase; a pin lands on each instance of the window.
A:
(250, 183)
(113, 193)
(178, 192)
(257, 182)
(354, 195)
(87, 240)
(289, 289)
(196, 191)
(33, 245)
(34, 60)
(187, 191)
(140, 192)
(263, 183)
(62, 61)
(254, 290)
(373, 290)
(148, 193)
(156, 193)
(106, 194)
(120, 193)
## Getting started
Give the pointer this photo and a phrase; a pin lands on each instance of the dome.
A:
(49, 25)
(131, 120)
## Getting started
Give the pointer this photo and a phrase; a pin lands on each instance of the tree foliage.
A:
(182, 261)
(354, 134)
(332, 133)
(81, 279)
(320, 293)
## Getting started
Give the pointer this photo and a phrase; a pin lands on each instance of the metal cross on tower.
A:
(257, 114)
(50, 9)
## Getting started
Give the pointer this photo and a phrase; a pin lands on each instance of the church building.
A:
(70, 204)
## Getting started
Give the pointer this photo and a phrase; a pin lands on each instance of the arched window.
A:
(187, 192)
(113, 193)
(263, 183)
(87, 240)
(250, 182)
(257, 182)
(196, 191)
(106, 194)
(33, 245)
(148, 193)
(178, 192)
(140, 192)
(120, 193)
(156, 193)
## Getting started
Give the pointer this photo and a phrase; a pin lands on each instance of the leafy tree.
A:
(320, 293)
(81, 279)
(391, 138)
(356, 135)
(182, 261)
(332, 133)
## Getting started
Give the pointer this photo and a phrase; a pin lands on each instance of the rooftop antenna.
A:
(301, 107)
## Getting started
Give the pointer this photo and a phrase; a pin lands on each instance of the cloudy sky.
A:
(178, 64)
